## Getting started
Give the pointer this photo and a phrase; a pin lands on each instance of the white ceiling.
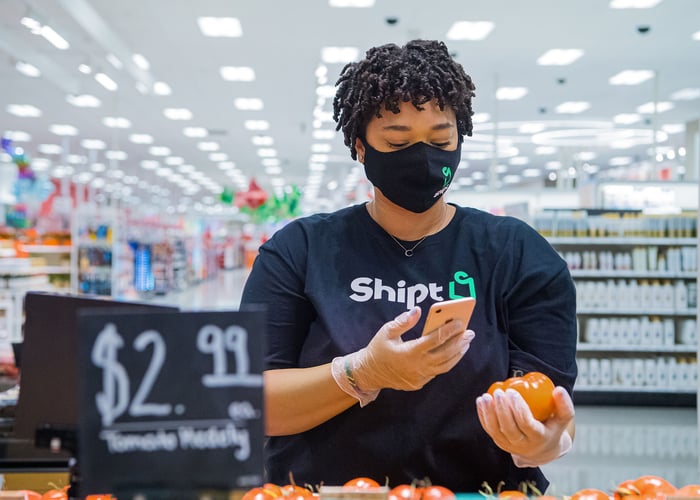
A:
(282, 42)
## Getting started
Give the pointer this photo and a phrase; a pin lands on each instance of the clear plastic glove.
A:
(389, 362)
(507, 418)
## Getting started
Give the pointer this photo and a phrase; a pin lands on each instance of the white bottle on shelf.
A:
(681, 296)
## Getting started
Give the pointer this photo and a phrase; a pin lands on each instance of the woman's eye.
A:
(398, 146)
(441, 144)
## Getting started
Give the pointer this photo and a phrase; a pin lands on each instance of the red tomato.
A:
(56, 494)
(292, 491)
(689, 490)
(590, 494)
(259, 493)
(437, 493)
(535, 388)
(651, 487)
(106, 496)
(513, 494)
(362, 483)
(626, 489)
(405, 492)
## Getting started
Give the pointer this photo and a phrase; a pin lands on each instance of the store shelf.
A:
(683, 349)
(632, 289)
(636, 312)
(616, 273)
(621, 241)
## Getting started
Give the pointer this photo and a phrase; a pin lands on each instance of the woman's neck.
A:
(406, 225)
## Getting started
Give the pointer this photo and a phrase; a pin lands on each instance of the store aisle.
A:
(612, 443)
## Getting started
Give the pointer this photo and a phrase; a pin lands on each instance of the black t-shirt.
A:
(330, 281)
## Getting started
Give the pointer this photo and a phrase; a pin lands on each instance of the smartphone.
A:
(443, 312)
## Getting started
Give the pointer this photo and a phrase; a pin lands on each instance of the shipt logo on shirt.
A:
(365, 289)
(447, 179)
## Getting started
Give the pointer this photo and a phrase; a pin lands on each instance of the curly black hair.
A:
(420, 71)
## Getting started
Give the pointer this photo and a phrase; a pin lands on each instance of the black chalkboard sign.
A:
(170, 401)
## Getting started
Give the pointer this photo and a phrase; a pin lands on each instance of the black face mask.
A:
(413, 178)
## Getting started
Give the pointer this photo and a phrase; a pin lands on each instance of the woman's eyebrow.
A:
(406, 128)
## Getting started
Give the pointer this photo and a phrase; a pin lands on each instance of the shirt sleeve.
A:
(276, 281)
(541, 313)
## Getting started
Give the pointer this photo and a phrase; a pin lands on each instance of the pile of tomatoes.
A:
(646, 487)
(416, 491)
(56, 493)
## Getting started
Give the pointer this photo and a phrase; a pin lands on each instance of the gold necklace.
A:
(408, 252)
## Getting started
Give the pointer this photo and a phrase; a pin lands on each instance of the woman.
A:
(333, 282)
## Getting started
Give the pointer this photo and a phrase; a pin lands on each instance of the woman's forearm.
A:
(299, 399)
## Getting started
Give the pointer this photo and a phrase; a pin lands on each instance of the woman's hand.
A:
(507, 418)
(389, 362)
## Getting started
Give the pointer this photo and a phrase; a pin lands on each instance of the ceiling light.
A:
(226, 165)
(23, 110)
(572, 107)
(470, 30)
(116, 155)
(326, 91)
(267, 152)
(586, 155)
(559, 57)
(149, 164)
(17, 136)
(63, 130)
(161, 88)
(262, 140)
(83, 101)
(220, 26)
(627, 118)
(40, 164)
(30, 22)
(321, 148)
(687, 94)
(159, 150)
(50, 149)
(248, 103)
(532, 172)
(54, 38)
(323, 134)
(545, 150)
(273, 170)
(511, 179)
(177, 113)
(195, 132)
(208, 146)
(696, 35)
(335, 55)
(531, 128)
(115, 61)
(218, 157)
(351, 3)
(237, 73)
(633, 4)
(619, 161)
(270, 162)
(519, 160)
(84, 69)
(648, 108)
(631, 77)
(553, 165)
(481, 117)
(141, 138)
(510, 93)
(93, 144)
(116, 122)
(141, 61)
(27, 69)
(673, 128)
(106, 81)
(174, 160)
(256, 124)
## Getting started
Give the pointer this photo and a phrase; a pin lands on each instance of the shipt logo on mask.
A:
(365, 289)
(446, 180)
